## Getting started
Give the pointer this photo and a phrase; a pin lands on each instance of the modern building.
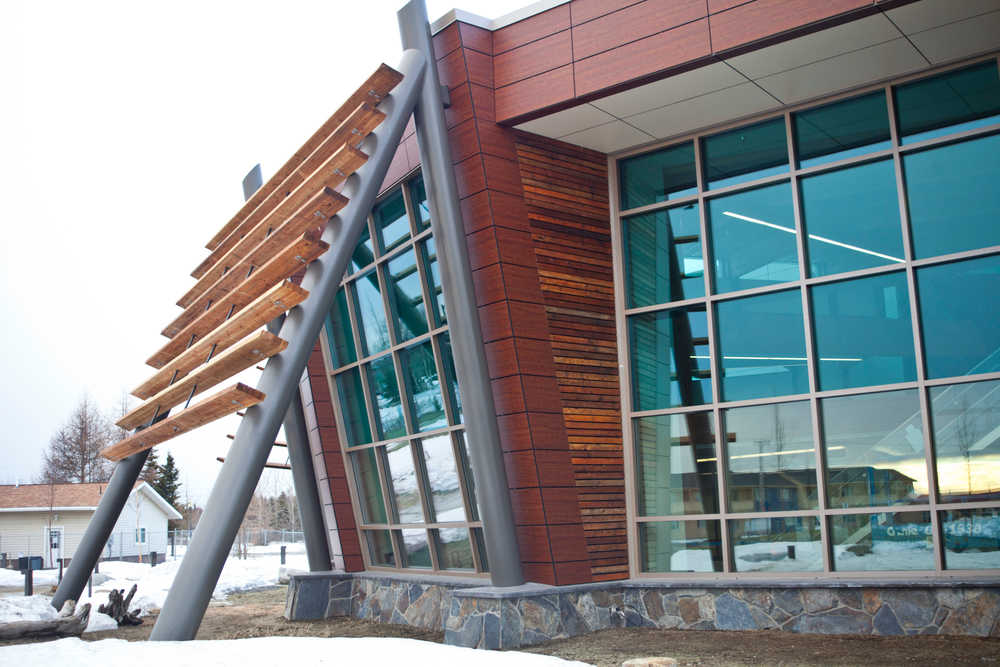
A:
(681, 315)
(736, 266)
(48, 520)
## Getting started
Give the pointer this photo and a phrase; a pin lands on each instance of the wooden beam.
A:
(347, 136)
(276, 466)
(313, 215)
(247, 353)
(371, 91)
(330, 174)
(264, 309)
(283, 265)
(226, 402)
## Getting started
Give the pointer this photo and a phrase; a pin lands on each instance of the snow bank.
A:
(39, 608)
(266, 651)
(11, 578)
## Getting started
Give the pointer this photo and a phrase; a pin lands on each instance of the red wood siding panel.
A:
(633, 23)
(715, 6)
(533, 58)
(582, 11)
(530, 29)
(763, 18)
(566, 195)
(646, 56)
(535, 93)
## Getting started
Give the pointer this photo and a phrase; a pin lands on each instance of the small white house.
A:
(48, 520)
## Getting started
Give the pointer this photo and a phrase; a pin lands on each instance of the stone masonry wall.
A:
(485, 617)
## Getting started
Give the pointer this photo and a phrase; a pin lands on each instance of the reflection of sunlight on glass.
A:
(915, 469)
(815, 237)
(955, 474)
(777, 453)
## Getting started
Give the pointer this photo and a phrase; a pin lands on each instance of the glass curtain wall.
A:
(813, 343)
(397, 408)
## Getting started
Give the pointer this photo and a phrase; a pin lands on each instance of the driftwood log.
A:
(117, 607)
(71, 625)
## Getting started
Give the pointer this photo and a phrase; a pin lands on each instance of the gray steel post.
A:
(199, 571)
(306, 494)
(463, 314)
(99, 529)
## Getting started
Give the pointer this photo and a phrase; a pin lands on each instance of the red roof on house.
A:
(51, 495)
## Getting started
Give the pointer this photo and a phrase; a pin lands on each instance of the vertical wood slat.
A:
(566, 195)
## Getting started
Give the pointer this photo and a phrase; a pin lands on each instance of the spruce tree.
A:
(151, 469)
(168, 481)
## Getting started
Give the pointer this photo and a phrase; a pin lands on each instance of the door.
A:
(54, 542)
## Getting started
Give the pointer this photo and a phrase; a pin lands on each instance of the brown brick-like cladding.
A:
(584, 49)
(517, 338)
(566, 195)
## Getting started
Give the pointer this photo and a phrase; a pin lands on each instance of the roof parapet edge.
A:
(493, 24)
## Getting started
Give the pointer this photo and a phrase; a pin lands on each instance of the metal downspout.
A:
(199, 571)
(463, 314)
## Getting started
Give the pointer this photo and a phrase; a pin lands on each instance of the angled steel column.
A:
(199, 571)
(463, 314)
(306, 493)
(110, 507)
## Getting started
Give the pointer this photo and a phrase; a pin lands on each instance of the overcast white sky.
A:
(125, 131)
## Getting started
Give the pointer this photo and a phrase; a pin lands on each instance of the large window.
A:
(813, 344)
(397, 409)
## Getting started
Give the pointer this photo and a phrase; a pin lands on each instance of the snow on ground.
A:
(9, 578)
(153, 584)
(267, 651)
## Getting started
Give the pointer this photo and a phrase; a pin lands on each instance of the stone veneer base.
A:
(484, 617)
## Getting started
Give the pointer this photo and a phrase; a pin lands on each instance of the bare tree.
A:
(74, 453)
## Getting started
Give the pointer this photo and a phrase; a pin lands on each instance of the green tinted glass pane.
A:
(655, 177)
(851, 218)
(429, 257)
(762, 346)
(406, 296)
(753, 238)
(352, 407)
(418, 197)
(676, 471)
(842, 129)
(953, 198)
(454, 549)
(680, 546)
(971, 539)
(771, 458)
(470, 480)
(949, 102)
(966, 422)
(885, 541)
(380, 548)
(451, 380)
(338, 332)
(403, 478)
(874, 450)
(957, 310)
(369, 487)
(776, 544)
(371, 314)
(671, 365)
(416, 548)
(745, 153)
(391, 222)
(364, 253)
(425, 390)
(663, 256)
(863, 332)
(442, 476)
(385, 393)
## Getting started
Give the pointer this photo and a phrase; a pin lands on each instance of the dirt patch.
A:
(259, 614)
(609, 648)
